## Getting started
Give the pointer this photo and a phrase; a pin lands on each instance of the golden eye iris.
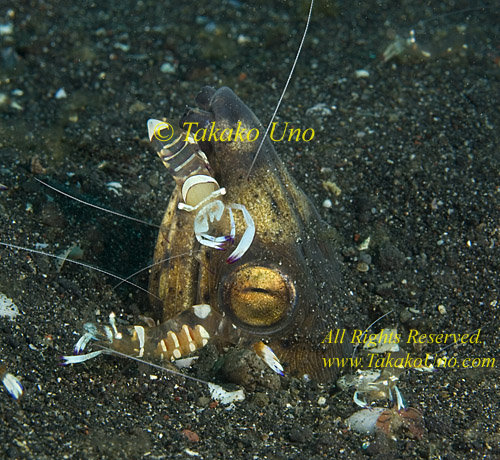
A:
(259, 296)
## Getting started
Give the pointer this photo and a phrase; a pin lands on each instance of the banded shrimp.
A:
(386, 142)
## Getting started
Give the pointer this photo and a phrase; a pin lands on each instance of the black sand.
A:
(414, 148)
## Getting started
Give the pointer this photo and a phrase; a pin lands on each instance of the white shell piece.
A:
(365, 244)
(319, 110)
(185, 362)
(6, 29)
(202, 310)
(115, 187)
(225, 397)
(60, 94)
(167, 67)
(7, 307)
(362, 73)
(12, 385)
(365, 420)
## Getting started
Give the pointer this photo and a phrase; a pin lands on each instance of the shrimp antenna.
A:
(95, 206)
(126, 280)
(284, 89)
(148, 363)
(81, 264)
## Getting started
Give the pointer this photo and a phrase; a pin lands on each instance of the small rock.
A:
(362, 267)
(300, 435)
(52, 216)
(319, 110)
(390, 257)
(366, 258)
(203, 401)
(61, 94)
(6, 29)
(137, 107)
(243, 367)
(331, 187)
(167, 67)
(362, 73)
(327, 204)
(191, 435)
(260, 399)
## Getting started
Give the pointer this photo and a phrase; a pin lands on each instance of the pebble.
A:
(137, 107)
(362, 267)
(331, 187)
(243, 39)
(122, 47)
(327, 204)
(7, 307)
(52, 216)
(167, 67)
(61, 94)
(365, 244)
(319, 110)
(115, 187)
(362, 73)
(191, 435)
(6, 29)
(365, 420)
(390, 257)
(203, 401)
(260, 399)
(300, 435)
(366, 258)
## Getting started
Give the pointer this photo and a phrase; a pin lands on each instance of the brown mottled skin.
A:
(287, 288)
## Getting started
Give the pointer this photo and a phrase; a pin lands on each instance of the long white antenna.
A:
(284, 89)
(125, 280)
(82, 264)
(157, 366)
(95, 206)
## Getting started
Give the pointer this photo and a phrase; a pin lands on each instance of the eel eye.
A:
(258, 297)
